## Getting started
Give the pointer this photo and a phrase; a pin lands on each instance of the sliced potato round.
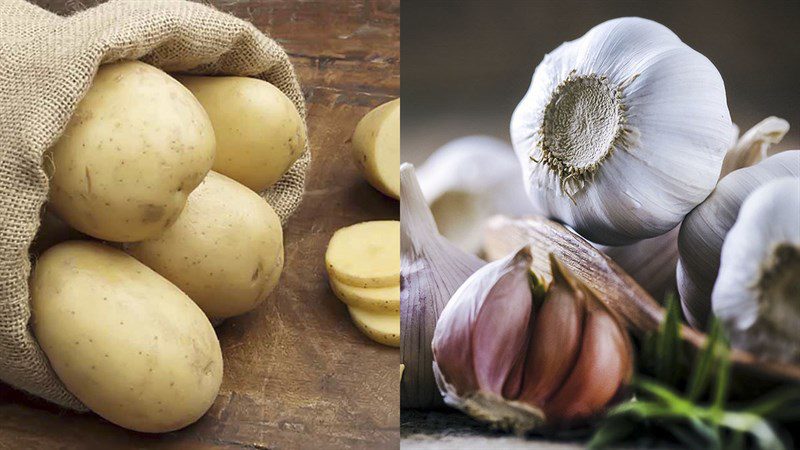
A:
(381, 328)
(376, 148)
(366, 254)
(382, 299)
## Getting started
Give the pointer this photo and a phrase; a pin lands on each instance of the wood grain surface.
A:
(297, 372)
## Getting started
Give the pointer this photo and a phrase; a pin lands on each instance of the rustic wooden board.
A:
(297, 372)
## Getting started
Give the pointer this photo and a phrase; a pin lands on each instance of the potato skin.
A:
(259, 132)
(225, 250)
(136, 146)
(125, 341)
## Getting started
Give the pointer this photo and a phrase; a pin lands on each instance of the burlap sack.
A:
(46, 65)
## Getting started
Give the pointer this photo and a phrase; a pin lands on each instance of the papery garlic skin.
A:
(431, 270)
(753, 146)
(469, 180)
(622, 131)
(757, 292)
(651, 262)
(703, 231)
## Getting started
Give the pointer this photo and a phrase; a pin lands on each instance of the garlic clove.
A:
(757, 292)
(660, 128)
(575, 387)
(506, 306)
(431, 270)
(599, 372)
(556, 337)
(703, 231)
(464, 347)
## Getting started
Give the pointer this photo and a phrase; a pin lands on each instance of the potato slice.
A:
(381, 328)
(376, 148)
(382, 299)
(366, 254)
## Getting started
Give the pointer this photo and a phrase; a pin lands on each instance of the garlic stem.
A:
(431, 270)
(753, 146)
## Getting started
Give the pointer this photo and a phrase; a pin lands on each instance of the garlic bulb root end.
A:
(568, 147)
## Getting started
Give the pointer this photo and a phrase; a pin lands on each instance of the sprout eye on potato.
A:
(225, 250)
(136, 146)
(125, 341)
(259, 132)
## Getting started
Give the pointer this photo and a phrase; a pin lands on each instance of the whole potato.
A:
(259, 131)
(136, 146)
(125, 341)
(225, 250)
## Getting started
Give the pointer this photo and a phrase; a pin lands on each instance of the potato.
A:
(225, 250)
(125, 341)
(381, 328)
(366, 254)
(376, 148)
(259, 132)
(136, 146)
(384, 299)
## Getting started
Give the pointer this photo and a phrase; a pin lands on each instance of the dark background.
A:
(466, 64)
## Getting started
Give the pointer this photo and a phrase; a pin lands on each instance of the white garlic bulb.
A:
(622, 131)
(703, 231)
(757, 293)
(469, 180)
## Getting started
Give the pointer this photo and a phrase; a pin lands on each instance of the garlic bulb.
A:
(757, 292)
(704, 229)
(652, 262)
(622, 132)
(507, 357)
(431, 269)
(469, 180)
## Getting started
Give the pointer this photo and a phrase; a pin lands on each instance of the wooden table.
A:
(297, 372)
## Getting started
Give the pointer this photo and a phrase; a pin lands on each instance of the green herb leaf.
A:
(658, 405)
(613, 430)
(668, 343)
(782, 404)
(701, 374)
